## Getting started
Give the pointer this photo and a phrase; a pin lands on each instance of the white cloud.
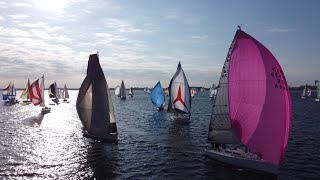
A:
(200, 37)
(2, 18)
(281, 30)
(121, 26)
(19, 16)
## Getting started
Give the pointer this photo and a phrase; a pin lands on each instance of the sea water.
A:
(151, 145)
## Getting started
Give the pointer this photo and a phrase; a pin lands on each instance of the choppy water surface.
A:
(151, 145)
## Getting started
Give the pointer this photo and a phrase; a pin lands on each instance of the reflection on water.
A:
(151, 145)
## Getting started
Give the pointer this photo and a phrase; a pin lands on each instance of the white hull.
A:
(316, 99)
(242, 160)
(112, 137)
(302, 97)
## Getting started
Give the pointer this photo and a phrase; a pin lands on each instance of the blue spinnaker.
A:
(157, 95)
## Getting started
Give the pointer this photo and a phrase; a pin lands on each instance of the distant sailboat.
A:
(130, 92)
(117, 91)
(166, 91)
(53, 92)
(213, 91)
(179, 95)
(122, 91)
(306, 92)
(94, 104)
(65, 93)
(37, 95)
(157, 96)
(25, 95)
(193, 92)
(9, 94)
(250, 121)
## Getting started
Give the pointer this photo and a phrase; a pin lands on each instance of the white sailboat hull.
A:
(316, 99)
(112, 137)
(180, 117)
(242, 160)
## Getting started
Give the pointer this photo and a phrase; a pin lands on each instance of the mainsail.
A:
(65, 92)
(122, 91)
(94, 104)
(157, 95)
(179, 93)
(220, 129)
(318, 89)
(259, 99)
(130, 91)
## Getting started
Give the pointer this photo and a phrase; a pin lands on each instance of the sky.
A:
(142, 41)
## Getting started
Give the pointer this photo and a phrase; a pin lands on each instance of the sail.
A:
(57, 92)
(157, 95)
(117, 91)
(213, 91)
(52, 91)
(130, 91)
(12, 93)
(259, 99)
(193, 92)
(35, 94)
(179, 93)
(5, 92)
(308, 92)
(65, 92)
(122, 91)
(220, 129)
(26, 92)
(94, 103)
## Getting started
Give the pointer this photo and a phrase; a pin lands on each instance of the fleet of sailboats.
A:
(94, 104)
(179, 96)
(249, 126)
(157, 96)
(250, 120)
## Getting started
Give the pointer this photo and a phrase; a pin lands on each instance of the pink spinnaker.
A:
(259, 99)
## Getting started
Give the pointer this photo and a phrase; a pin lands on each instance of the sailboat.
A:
(117, 91)
(193, 92)
(65, 93)
(37, 95)
(122, 91)
(306, 92)
(94, 104)
(157, 96)
(318, 91)
(179, 96)
(9, 94)
(130, 92)
(25, 95)
(213, 91)
(249, 126)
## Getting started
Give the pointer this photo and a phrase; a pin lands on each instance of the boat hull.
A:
(316, 99)
(241, 161)
(111, 138)
(180, 118)
(45, 110)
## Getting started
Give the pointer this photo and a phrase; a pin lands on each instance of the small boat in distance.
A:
(94, 104)
(117, 91)
(25, 95)
(9, 95)
(179, 96)
(213, 91)
(37, 95)
(250, 121)
(157, 96)
(193, 92)
(122, 91)
(130, 92)
(306, 92)
(65, 93)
